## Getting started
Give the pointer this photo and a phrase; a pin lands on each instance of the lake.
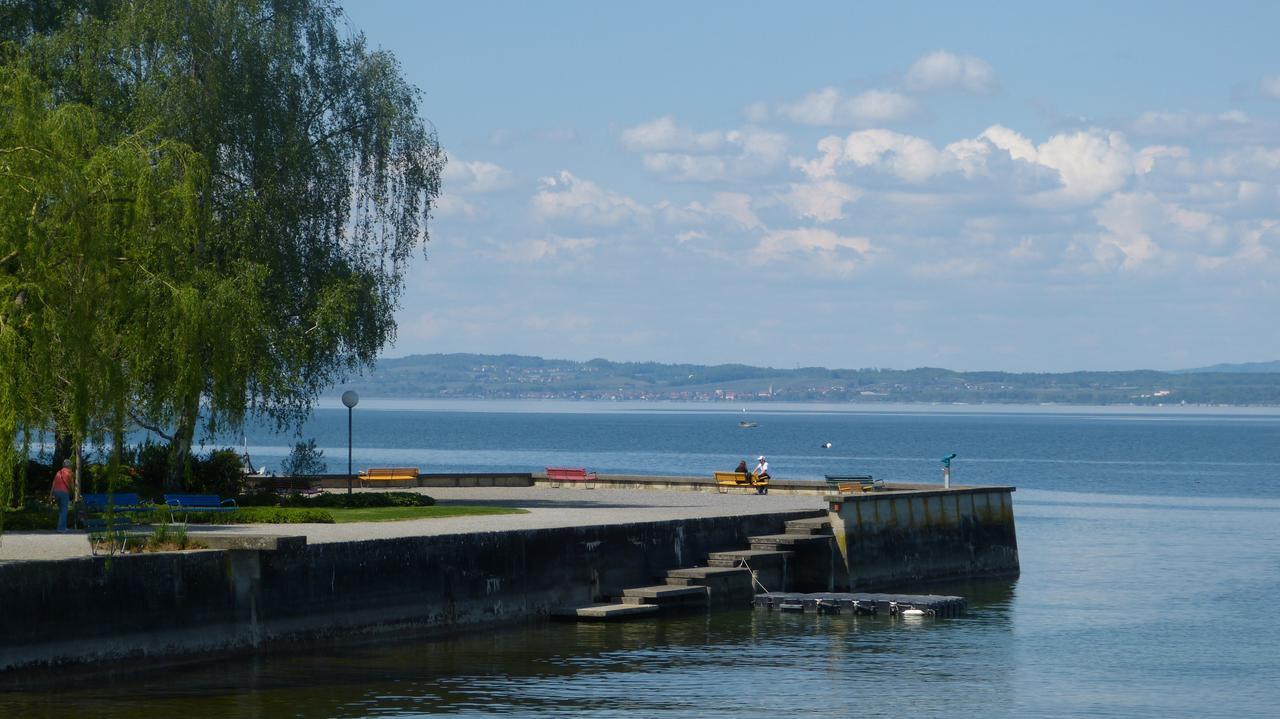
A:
(1150, 550)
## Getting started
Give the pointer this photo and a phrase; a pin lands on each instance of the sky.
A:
(1005, 186)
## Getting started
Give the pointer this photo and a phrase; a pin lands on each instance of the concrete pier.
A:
(271, 585)
(909, 536)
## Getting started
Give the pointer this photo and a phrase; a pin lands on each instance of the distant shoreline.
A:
(778, 407)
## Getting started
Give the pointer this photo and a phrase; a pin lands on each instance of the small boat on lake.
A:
(747, 425)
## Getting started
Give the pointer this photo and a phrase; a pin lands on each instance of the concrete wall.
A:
(898, 538)
(165, 606)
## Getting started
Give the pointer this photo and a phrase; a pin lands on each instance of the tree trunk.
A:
(180, 445)
(62, 448)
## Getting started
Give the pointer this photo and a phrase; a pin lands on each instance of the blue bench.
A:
(187, 503)
(118, 502)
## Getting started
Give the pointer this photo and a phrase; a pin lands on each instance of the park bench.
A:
(849, 483)
(727, 480)
(388, 474)
(113, 534)
(187, 503)
(116, 502)
(560, 475)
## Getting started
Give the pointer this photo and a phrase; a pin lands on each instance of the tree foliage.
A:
(315, 184)
(88, 227)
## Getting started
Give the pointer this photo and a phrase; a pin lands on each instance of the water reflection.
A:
(719, 663)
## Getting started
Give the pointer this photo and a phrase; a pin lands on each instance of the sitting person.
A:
(742, 469)
(760, 475)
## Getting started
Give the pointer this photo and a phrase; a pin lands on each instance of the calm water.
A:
(1150, 549)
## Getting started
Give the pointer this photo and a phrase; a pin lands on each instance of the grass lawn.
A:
(391, 514)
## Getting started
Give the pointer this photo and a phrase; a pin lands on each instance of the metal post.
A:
(946, 470)
(350, 399)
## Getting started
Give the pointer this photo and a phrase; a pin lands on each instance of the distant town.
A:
(523, 377)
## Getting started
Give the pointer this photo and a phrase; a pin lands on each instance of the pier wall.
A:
(166, 606)
(900, 538)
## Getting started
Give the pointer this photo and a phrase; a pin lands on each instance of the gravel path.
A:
(546, 508)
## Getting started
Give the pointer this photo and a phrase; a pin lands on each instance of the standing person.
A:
(761, 474)
(61, 491)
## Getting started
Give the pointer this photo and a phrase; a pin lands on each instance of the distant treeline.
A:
(517, 376)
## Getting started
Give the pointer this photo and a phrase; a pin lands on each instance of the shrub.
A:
(25, 520)
(150, 462)
(304, 461)
(336, 500)
(220, 473)
(360, 500)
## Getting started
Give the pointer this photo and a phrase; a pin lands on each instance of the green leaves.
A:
(211, 201)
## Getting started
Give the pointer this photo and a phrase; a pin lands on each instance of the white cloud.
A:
(910, 158)
(943, 71)
(1091, 163)
(453, 206)
(1141, 227)
(1189, 124)
(827, 251)
(567, 197)
(1147, 157)
(682, 155)
(831, 108)
(475, 177)
(733, 206)
(548, 248)
(823, 200)
(663, 135)
(1270, 87)
(1255, 163)
(1088, 163)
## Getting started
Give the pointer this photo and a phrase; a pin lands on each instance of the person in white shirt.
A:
(761, 473)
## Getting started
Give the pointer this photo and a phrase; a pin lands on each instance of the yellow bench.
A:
(388, 474)
(725, 480)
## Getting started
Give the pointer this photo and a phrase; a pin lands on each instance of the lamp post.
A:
(350, 399)
(946, 470)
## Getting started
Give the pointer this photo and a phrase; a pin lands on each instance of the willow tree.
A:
(88, 228)
(320, 181)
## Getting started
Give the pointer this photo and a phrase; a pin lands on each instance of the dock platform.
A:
(858, 603)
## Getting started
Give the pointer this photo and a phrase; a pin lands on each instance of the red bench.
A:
(559, 475)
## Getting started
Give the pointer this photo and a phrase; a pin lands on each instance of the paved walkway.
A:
(546, 508)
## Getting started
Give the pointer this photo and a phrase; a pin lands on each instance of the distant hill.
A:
(518, 376)
(1247, 367)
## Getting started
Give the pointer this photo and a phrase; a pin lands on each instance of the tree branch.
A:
(149, 427)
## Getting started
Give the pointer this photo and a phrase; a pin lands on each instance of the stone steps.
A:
(812, 525)
(772, 568)
(731, 578)
(605, 611)
(665, 595)
(755, 558)
(724, 585)
(774, 542)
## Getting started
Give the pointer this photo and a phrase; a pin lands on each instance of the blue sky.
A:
(1018, 186)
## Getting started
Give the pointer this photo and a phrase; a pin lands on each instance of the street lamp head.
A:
(350, 398)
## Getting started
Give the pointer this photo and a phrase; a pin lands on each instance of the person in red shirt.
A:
(61, 491)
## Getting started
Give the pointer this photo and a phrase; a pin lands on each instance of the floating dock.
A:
(884, 605)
